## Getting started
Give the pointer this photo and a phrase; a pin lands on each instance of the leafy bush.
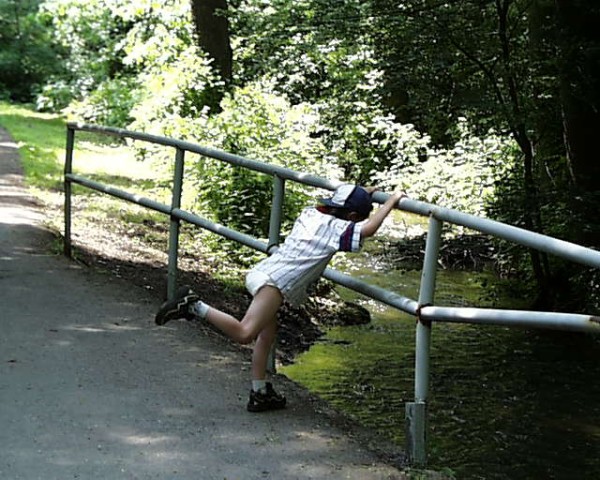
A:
(256, 123)
(253, 122)
(119, 53)
(27, 53)
(110, 103)
(311, 56)
(54, 96)
(361, 136)
(462, 178)
(89, 33)
(170, 101)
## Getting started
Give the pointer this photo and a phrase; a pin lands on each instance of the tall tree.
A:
(579, 74)
(212, 29)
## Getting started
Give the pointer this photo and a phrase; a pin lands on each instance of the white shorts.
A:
(255, 280)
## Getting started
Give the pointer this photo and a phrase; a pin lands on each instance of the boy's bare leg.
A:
(262, 348)
(261, 314)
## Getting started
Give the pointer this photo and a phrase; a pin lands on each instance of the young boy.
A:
(339, 223)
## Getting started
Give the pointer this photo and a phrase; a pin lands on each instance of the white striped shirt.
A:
(302, 258)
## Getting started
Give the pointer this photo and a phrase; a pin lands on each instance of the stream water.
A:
(504, 403)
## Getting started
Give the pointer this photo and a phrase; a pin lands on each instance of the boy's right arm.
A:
(375, 220)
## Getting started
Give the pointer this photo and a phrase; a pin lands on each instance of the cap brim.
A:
(328, 203)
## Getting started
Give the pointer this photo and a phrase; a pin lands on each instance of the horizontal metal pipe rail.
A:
(424, 309)
(561, 248)
(513, 318)
(282, 172)
(377, 293)
(118, 193)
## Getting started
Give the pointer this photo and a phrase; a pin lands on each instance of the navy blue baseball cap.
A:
(352, 198)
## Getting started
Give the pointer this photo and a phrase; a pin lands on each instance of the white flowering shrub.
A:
(462, 177)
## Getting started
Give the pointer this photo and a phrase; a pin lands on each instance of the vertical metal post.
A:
(67, 186)
(416, 412)
(276, 210)
(174, 226)
(274, 239)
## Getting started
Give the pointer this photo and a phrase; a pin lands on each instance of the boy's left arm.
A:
(375, 220)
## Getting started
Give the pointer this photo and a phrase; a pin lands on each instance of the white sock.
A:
(200, 309)
(259, 385)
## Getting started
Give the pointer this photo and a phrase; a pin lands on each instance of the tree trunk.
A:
(517, 122)
(579, 44)
(212, 29)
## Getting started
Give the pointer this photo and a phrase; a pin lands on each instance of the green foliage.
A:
(54, 96)
(27, 56)
(463, 177)
(171, 98)
(90, 33)
(572, 286)
(257, 123)
(301, 45)
(322, 56)
(110, 103)
(443, 61)
(360, 135)
(119, 56)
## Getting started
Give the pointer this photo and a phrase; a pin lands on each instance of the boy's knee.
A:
(245, 339)
(253, 324)
(245, 336)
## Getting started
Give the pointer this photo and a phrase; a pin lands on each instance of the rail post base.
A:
(416, 419)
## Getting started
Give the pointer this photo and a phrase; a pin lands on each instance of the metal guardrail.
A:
(423, 308)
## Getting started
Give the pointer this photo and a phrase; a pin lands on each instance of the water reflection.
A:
(505, 403)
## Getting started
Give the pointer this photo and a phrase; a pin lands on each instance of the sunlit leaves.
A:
(261, 125)
(112, 46)
(462, 177)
